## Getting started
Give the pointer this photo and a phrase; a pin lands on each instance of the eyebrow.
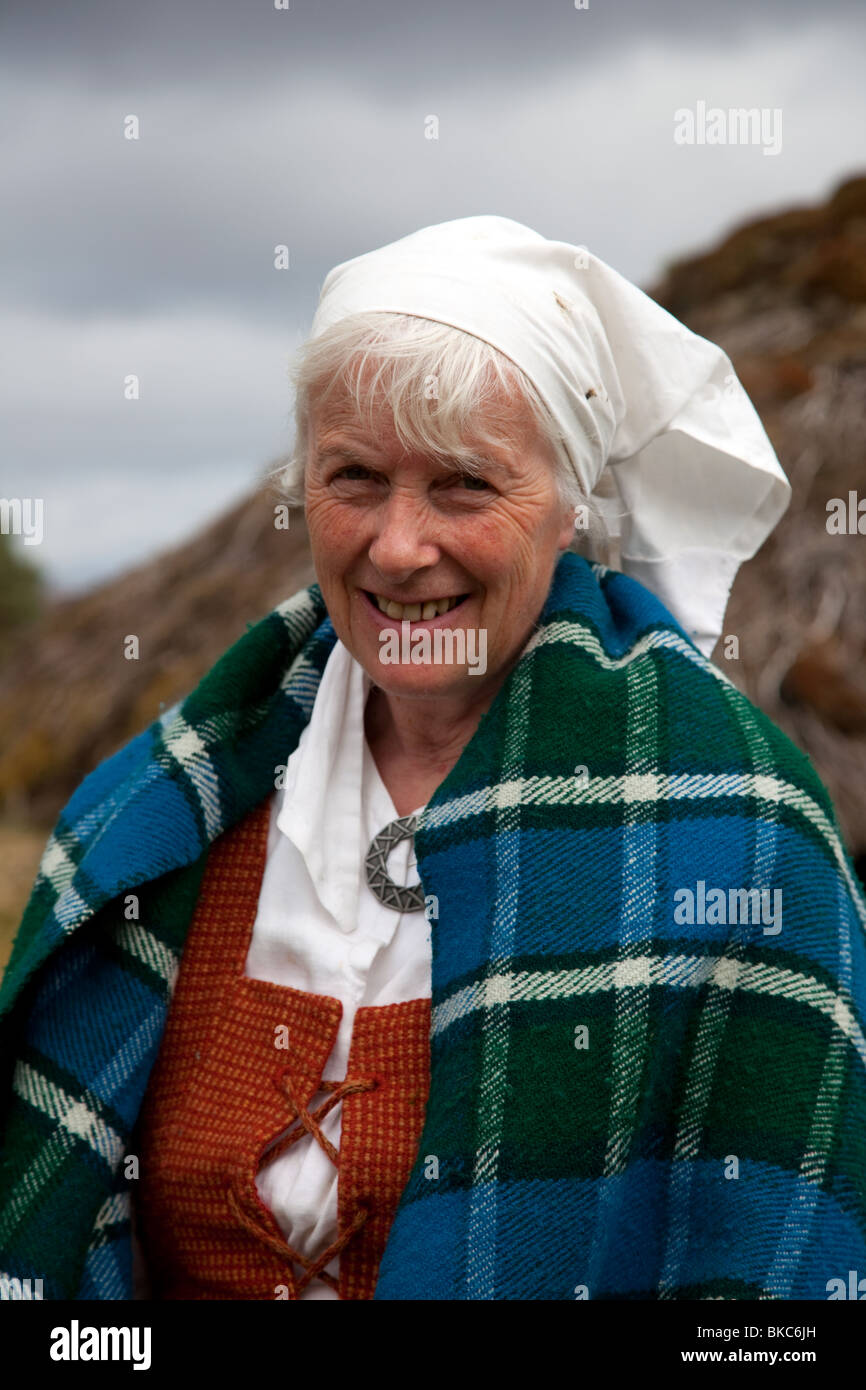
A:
(343, 451)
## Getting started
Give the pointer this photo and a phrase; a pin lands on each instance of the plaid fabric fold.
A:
(648, 1064)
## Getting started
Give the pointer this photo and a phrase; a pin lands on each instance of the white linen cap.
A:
(629, 387)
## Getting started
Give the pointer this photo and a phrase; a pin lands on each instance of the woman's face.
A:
(391, 527)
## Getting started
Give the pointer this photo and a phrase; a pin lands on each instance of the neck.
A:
(416, 742)
(426, 732)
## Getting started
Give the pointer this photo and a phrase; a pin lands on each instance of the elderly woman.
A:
(465, 934)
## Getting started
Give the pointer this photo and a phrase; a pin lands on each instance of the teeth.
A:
(412, 612)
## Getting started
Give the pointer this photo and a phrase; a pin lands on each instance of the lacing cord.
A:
(309, 1125)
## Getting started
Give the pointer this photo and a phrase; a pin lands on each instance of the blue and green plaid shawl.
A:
(648, 1065)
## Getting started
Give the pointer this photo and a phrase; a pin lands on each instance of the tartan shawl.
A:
(629, 1099)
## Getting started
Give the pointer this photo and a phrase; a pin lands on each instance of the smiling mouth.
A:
(415, 612)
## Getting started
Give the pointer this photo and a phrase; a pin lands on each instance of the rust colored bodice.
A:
(240, 1062)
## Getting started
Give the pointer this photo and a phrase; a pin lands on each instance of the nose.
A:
(403, 541)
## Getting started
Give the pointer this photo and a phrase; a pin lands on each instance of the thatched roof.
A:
(786, 298)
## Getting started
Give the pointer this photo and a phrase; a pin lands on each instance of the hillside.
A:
(70, 694)
(785, 297)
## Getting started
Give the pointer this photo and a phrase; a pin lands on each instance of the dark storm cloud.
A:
(301, 127)
(377, 40)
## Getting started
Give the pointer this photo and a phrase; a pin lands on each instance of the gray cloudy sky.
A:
(306, 127)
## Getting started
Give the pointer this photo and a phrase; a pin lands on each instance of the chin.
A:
(420, 683)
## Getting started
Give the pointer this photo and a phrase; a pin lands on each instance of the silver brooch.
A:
(409, 899)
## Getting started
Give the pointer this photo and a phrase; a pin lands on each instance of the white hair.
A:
(439, 383)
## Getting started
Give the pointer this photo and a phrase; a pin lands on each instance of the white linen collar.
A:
(333, 790)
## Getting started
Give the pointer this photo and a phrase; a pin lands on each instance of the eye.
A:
(467, 482)
(353, 472)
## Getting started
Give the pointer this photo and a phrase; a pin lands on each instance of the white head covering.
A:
(628, 385)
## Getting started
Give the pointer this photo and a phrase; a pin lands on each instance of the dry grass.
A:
(20, 851)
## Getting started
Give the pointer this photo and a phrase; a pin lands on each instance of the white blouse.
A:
(320, 928)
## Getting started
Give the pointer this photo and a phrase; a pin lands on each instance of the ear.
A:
(566, 534)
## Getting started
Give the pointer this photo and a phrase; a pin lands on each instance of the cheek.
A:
(332, 527)
(512, 553)
(500, 540)
(520, 560)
